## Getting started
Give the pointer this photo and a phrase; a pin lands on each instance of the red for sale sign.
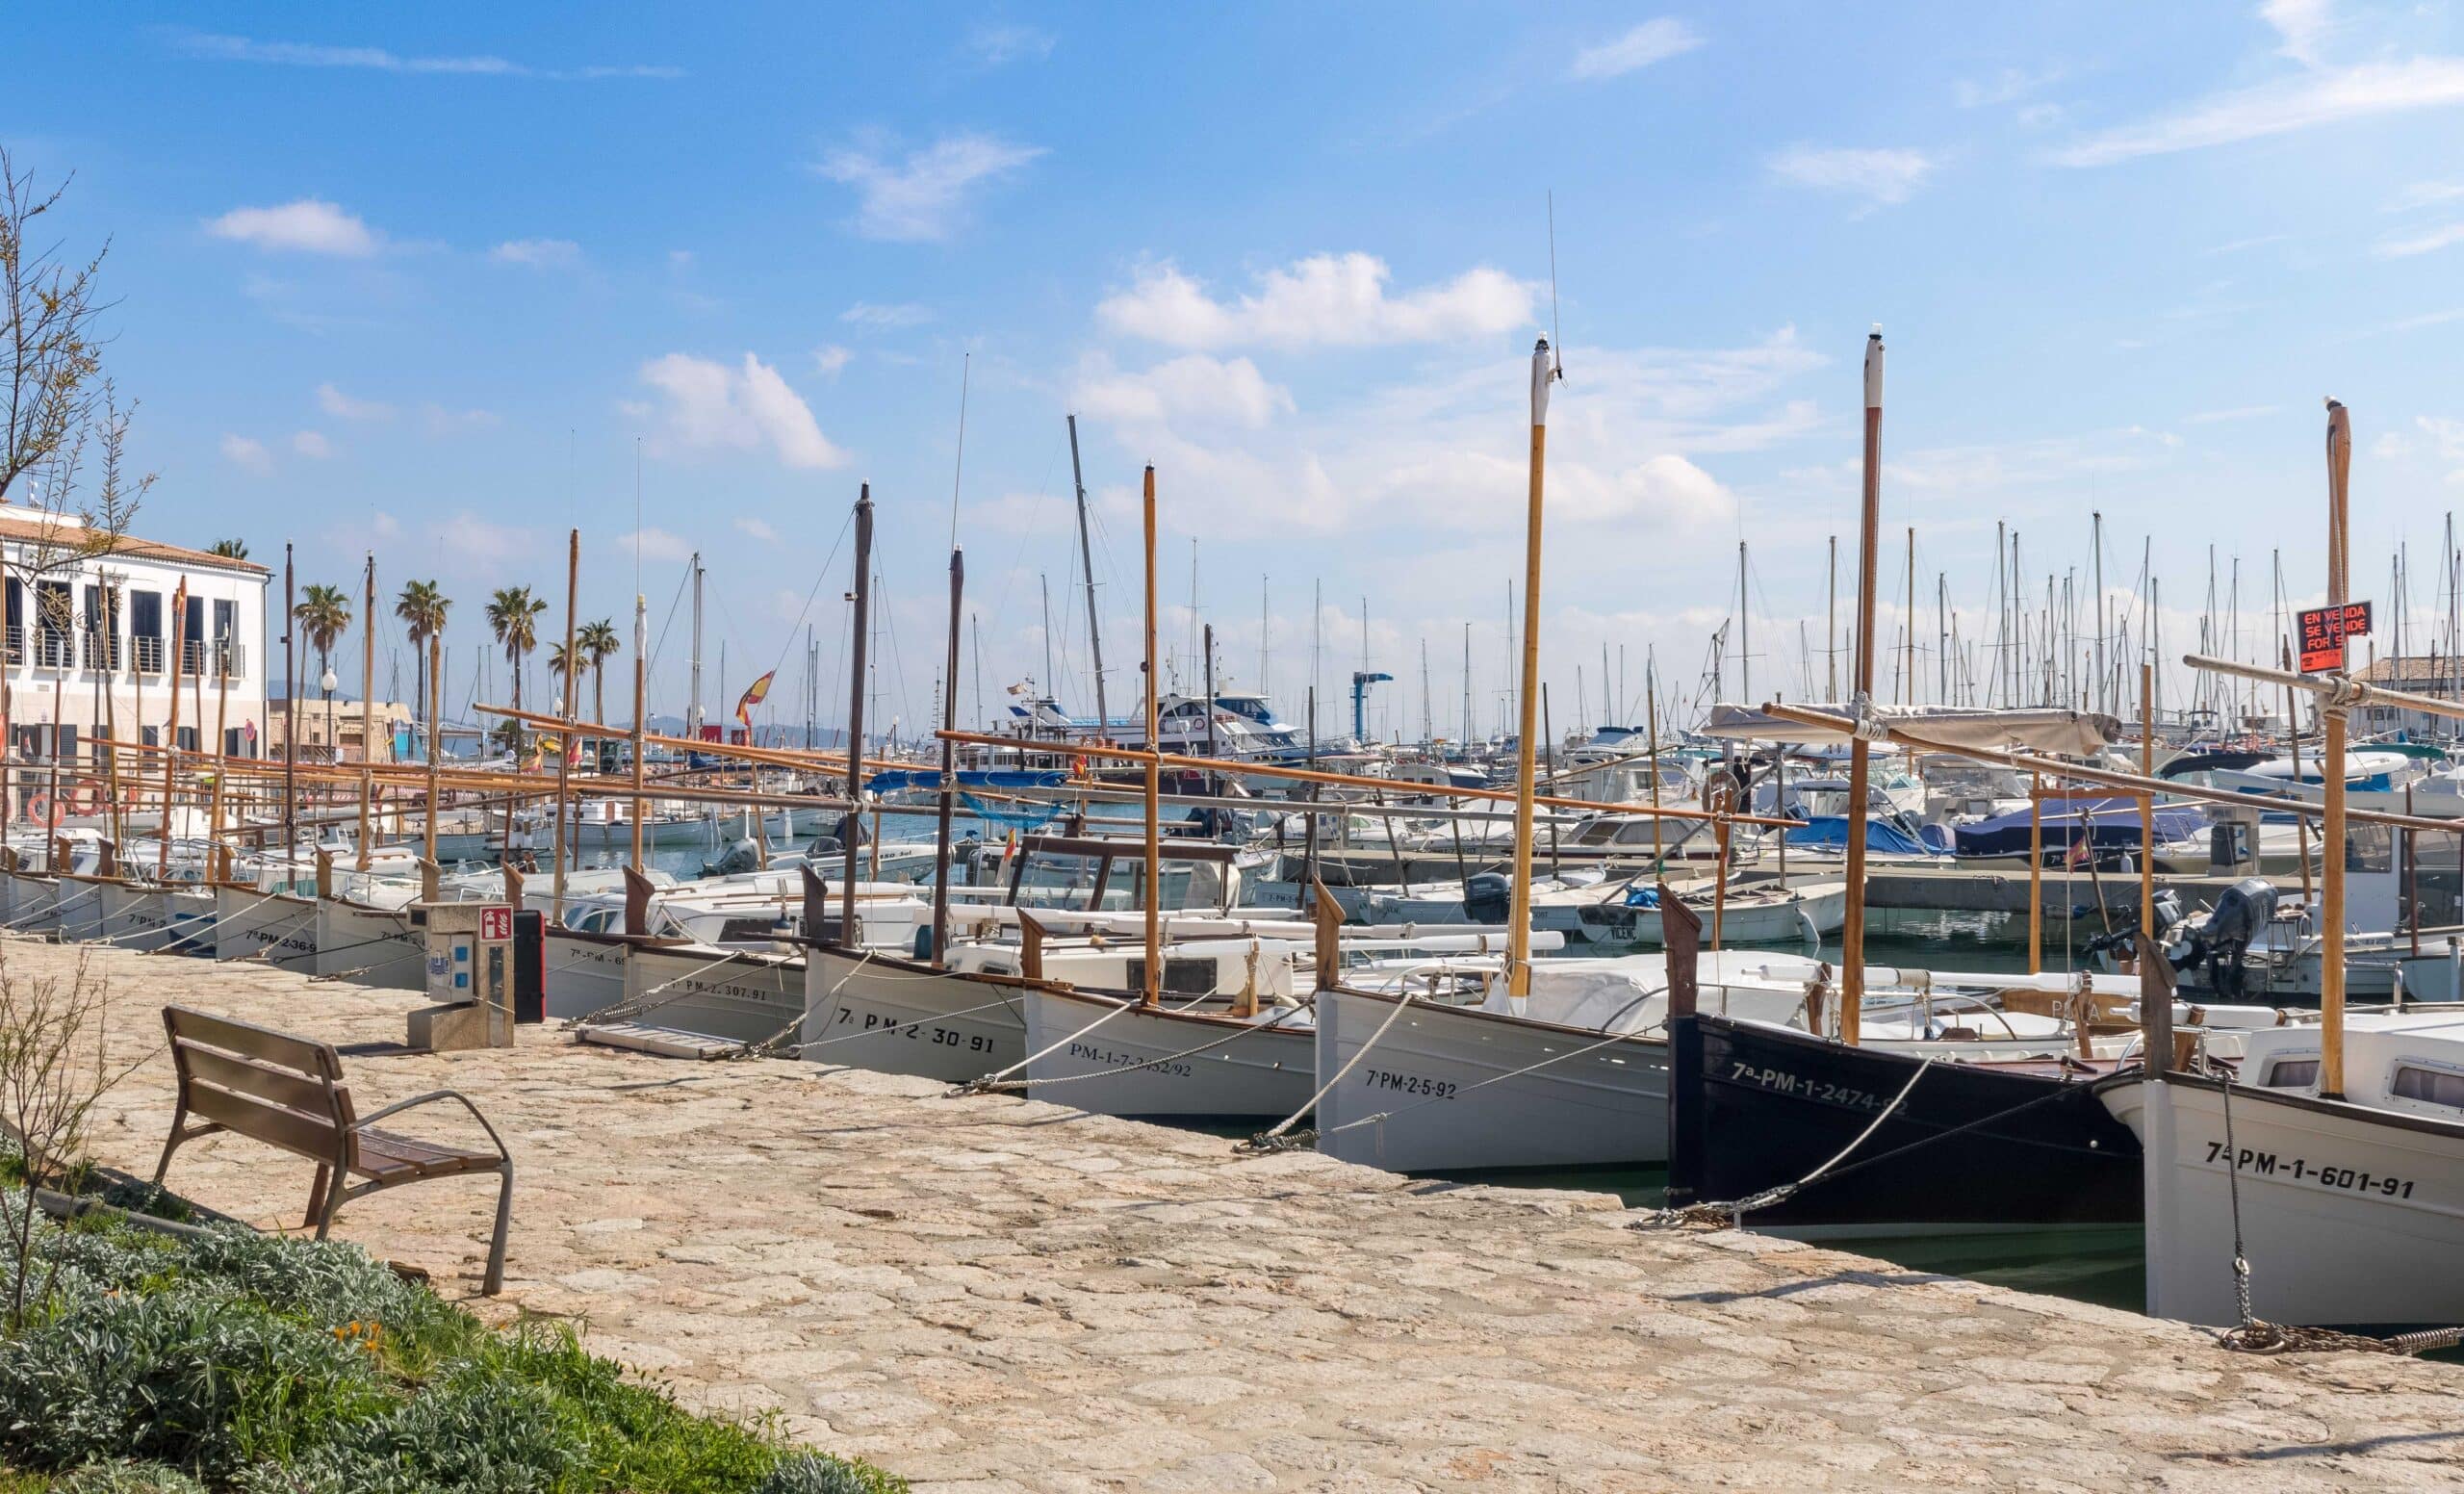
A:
(496, 925)
(2323, 631)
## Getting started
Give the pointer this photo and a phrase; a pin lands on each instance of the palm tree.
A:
(422, 607)
(324, 612)
(230, 549)
(513, 615)
(598, 643)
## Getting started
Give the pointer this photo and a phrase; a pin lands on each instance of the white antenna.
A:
(1557, 342)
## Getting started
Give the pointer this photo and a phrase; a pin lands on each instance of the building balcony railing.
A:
(47, 648)
(150, 654)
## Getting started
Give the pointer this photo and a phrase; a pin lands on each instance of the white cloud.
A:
(657, 544)
(830, 359)
(1194, 387)
(2422, 195)
(248, 453)
(999, 46)
(2326, 95)
(310, 225)
(386, 525)
(307, 54)
(923, 196)
(538, 253)
(1655, 40)
(1326, 299)
(754, 528)
(897, 314)
(1879, 176)
(708, 405)
(441, 421)
(2301, 24)
(342, 406)
(2428, 242)
(313, 444)
(484, 544)
(2007, 86)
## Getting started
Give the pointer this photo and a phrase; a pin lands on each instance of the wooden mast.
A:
(2036, 873)
(290, 725)
(641, 698)
(858, 626)
(171, 733)
(1087, 568)
(2331, 896)
(435, 735)
(1517, 934)
(2147, 804)
(572, 713)
(949, 769)
(1852, 933)
(366, 708)
(221, 731)
(1154, 986)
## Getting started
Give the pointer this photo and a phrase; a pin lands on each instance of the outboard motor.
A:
(1488, 897)
(2240, 916)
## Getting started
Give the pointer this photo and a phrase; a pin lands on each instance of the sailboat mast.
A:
(1744, 651)
(693, 700)
(1852, 934)
(856, 638)
(1153, 989)
(2331, 910)
(1086, 565)
(1517, 934)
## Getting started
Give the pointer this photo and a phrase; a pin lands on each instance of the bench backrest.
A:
(284, 1091)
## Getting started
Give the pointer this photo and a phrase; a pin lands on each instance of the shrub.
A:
(118, 1477)
(811, 1472)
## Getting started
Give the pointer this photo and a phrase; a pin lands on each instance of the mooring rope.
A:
(1723, 1216)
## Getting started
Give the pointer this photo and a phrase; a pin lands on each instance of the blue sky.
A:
(429, 280)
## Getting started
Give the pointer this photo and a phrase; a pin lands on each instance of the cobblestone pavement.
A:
(992, 1295)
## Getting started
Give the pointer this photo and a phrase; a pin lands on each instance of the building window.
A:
(146, 630)
(192, 637)
(226, 618)
(15, 602)
(54, 623)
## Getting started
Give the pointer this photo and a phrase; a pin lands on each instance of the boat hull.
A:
(276, 926)
(2351, 1216)
(1607, 1106)
(900, 1017)
(371, 947)
(78, 915)
(1754, 1106)
(34, 904)
(1798, 921)
(585, 974)
(145, 917)
(1139, 1064)
(742, 997)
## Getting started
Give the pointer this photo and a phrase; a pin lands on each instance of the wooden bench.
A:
(288, 1092)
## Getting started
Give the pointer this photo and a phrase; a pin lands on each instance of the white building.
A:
(88, 639)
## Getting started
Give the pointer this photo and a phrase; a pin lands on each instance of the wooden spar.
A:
(572, 710)
(2036, 874)
(172, 735)
(833, 762)
(2332, 892)
(367, 708)
(221, 734)
(861, 598)
(641, 712)
(2352, 693)
(2055, 767)
(1651, 724)
(949, 769)
(435, 737)
(2293, 730)
(111, 719)
(1852, 932)
(1518, 933)
(1356, 781)
(289, 724)
(1153, 891)
(2146, 808)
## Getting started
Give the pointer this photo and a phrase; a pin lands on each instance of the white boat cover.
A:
(2077, 734)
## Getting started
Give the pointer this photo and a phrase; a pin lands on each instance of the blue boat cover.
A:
(1829, 832)
(2111, 824)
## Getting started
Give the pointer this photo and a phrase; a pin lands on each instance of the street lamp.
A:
(328, 685)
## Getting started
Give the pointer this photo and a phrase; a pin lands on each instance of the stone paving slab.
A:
(992, 1295)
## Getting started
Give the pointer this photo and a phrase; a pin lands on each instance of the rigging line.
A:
(820, 577)
(957, 466)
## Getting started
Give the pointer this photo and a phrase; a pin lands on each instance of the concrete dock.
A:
(993, 1294)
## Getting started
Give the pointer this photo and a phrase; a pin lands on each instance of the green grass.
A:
(263, 1365)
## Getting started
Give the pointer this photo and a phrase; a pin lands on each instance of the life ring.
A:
(85, 799)
(42, 812)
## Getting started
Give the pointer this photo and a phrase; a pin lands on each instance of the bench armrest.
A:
(429, 1098)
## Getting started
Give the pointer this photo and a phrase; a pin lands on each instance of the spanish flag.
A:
(754, 695)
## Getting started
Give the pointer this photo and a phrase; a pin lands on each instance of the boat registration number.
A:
(1407, 1084)
(1128, 1061)
(919, 1032)
(1779, 1081)
(2266, 1163)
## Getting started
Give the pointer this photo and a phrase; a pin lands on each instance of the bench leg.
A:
(494, 1282)
(171, 1145)
(317, 1197)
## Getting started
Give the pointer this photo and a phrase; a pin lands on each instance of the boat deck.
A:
(994, 1295)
